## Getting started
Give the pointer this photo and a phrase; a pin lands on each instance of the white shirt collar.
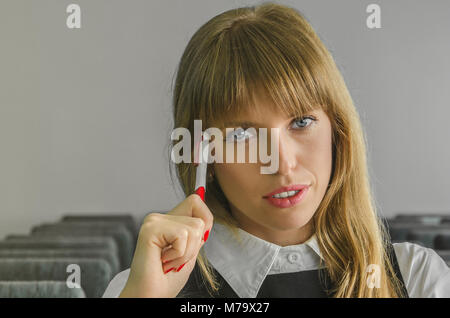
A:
(245, 265)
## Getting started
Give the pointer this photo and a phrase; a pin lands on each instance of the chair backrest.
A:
(60, 243)
(108, 256)
(399, 230)
(442, 241)
(426, 219)
(95, 274)
(127, 219)
(425, 235)
(116, 230)
(39, 289)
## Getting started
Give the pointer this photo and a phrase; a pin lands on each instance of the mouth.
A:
(286, 197)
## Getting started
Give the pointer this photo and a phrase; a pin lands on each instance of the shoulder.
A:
(116, 285)
(424, 272)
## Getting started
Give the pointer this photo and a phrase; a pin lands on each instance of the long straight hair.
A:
(272, 47)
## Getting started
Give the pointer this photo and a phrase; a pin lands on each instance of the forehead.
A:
(254, 109)
(256, 115)
(262, 106)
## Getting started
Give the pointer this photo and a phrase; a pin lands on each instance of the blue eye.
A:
(239, 134)
(304, 122)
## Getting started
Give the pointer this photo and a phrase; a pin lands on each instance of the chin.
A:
(291, 222)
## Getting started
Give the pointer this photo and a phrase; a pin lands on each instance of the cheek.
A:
(236, 178)
(316, 156)
(237, 152)
(324, 153)
(324, 158)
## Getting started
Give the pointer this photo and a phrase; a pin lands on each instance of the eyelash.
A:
(295, 120)
(303, 118)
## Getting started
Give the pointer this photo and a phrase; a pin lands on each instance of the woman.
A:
(265, 67)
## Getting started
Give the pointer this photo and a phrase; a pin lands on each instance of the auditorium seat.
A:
(400, 230)
(95, 274)
(426, 219)
(442, 241)
(25, 242)
(35, 265)
(107, 255)
(426, 235)
(116, 230)
(127, 219)
(39, 289)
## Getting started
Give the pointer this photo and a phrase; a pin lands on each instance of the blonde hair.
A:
(273, 47)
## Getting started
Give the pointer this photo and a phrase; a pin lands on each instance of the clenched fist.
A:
(167, 249)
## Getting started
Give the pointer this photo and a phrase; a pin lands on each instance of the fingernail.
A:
(205, 237)
(169, 270)
(179, 268)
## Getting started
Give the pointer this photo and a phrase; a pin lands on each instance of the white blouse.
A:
(245, 264)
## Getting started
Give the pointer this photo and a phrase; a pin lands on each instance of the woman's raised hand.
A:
(167, 249)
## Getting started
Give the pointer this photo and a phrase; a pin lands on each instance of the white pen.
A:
(200, 176)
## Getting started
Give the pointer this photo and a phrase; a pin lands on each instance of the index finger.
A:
(193, 206)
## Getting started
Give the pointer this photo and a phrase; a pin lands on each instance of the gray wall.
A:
(85, 114)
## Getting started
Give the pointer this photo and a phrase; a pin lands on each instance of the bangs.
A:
(251, 58)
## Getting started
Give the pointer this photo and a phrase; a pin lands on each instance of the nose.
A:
(287, 155)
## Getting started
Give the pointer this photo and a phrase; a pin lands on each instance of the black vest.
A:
(314, 284)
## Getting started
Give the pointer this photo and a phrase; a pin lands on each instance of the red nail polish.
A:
(201, 192)
(169, 270)
(205, 237)
(179, 268)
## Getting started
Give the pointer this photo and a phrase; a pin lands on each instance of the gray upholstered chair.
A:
(39, 289)
(17, 242)
(442, 241)
(127, 219)
(107, 255)
(95, 274)
(116, 230)
(425, 219)
(400, 230)
(425, 235)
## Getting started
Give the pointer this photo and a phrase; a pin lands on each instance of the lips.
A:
(288, 201)
(286, 189)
